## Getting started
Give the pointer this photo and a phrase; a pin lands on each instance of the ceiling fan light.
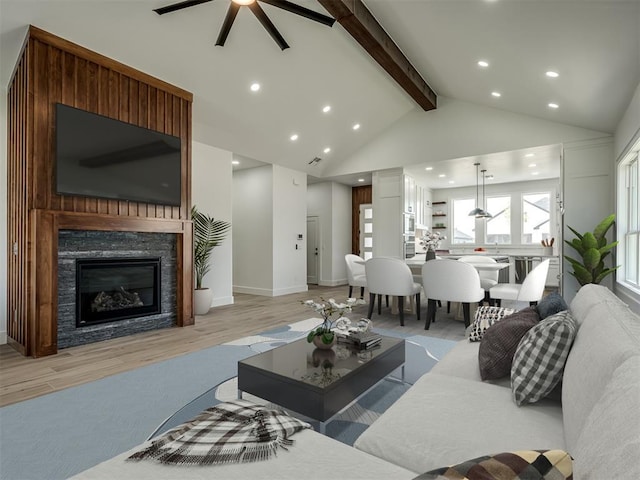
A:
(476, 212)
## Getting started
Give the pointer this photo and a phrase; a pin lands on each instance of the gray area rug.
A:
(61, 434)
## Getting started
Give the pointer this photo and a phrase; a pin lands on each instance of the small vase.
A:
(317, 341)
(431, 254)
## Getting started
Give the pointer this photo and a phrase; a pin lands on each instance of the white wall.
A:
(289, 220)
(628, 129)
(3, 215)
(211, 192)
(588, 195)
(456, 129)
(626, 135)
(331, 203)
(252, 221)
(340, 232)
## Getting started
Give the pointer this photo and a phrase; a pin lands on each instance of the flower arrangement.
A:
(331, 311)
(431, 240)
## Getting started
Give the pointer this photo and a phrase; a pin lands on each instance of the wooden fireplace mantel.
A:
(47, 224)
(53, 70)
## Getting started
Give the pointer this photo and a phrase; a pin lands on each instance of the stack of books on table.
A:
(360, 340)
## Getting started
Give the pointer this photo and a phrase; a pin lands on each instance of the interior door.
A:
(313, 253)
(366, 231)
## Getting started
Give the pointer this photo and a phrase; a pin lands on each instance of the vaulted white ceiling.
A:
(593, 45)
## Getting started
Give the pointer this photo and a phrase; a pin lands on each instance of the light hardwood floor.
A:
(22, 378)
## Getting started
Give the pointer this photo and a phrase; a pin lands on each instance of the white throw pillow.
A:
(484, 318)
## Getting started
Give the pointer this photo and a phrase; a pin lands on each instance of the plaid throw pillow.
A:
(521, 465)
(485, 317)
(539, 360)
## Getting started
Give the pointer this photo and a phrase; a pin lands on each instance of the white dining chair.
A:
(391, 276)
(488, 278)
(453, 281)
(530, 290)
(355, 273)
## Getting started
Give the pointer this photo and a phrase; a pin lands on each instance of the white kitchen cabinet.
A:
(409, 194)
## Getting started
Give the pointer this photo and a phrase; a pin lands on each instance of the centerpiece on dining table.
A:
(430, 242)
(331, 311)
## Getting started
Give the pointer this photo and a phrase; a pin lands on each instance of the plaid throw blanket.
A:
(231, 432)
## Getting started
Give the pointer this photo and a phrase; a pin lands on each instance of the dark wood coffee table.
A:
(318, 383)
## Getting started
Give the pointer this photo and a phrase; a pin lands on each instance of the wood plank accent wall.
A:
(52, 70)
(359, 195)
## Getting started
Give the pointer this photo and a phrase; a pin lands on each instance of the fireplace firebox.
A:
(116, 289)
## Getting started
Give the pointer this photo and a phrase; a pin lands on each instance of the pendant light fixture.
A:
(484, 213)
(476, 211)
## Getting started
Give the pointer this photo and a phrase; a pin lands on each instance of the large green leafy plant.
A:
(208, 233)
(593, 249)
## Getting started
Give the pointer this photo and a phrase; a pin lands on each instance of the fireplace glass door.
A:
(116, 289)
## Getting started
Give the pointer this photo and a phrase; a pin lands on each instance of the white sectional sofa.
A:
(450, 415)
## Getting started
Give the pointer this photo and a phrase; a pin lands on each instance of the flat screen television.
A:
(97, 156)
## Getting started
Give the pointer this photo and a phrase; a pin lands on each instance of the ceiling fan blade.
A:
(268, 25)
(228, 22)
(179, 6)
(302, 11)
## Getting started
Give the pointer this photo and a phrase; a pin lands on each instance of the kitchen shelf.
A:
(438, 203)
(439, 215)
(438, 228)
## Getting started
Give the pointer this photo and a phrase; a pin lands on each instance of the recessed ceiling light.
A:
(356, 126)
(361, 180)
(531, 165)
(255, 87)
(489, 177)
(428, 169)
(327, 150)
(535, 173)
(496, 94)
(326, 108)
(442, 175)
(483, 63)
(235, 162)
(243, 2)
(293, 137)
(451, 181)
(529, 155)
(553, 105)
(552, 74)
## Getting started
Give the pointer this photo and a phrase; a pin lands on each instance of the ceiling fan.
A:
(257, 11)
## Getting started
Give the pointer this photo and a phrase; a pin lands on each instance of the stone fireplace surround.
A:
(84, 244)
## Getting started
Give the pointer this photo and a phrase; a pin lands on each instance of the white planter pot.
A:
(202, 300)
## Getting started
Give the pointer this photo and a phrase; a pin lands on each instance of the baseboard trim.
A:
(220, 301)
(333, 283)
(265, 292)
(3, 337)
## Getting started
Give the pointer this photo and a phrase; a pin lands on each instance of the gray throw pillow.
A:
(538, 363)
(550, 305)
(499, 343)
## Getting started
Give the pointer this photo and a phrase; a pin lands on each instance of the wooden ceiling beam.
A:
(365, 29)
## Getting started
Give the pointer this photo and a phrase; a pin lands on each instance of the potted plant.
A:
(208, 233)
(593, 249)
(322, 336)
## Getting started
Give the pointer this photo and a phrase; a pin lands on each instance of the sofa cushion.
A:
(608, 335)
(499, 343)
(539, 360)
(609, 444)
(436, 423)
(550, 305)
(521, 465)
(485, 317)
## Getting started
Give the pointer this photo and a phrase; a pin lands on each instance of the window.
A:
(629, 221)
(464, 226)
(536, 218)
(498, 228)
